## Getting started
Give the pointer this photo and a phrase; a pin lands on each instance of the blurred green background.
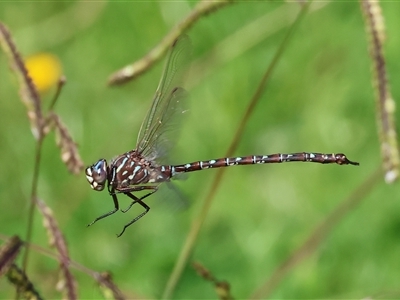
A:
(319, 99)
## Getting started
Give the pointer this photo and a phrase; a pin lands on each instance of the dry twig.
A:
(67, 282)
(384, 102)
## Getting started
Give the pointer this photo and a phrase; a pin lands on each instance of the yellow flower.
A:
(44, 69)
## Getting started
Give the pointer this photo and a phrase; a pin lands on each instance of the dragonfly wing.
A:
(169, 103)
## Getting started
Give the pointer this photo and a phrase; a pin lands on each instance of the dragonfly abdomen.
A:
(321, 158)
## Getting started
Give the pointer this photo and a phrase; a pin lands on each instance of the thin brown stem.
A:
(60, 85)
(129, 72)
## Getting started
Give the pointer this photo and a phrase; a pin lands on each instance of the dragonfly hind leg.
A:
(136, 199)
(144, 205)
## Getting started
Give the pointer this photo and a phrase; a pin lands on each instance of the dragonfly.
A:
(141, 170)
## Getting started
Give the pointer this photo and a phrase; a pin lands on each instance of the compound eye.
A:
(97, 175)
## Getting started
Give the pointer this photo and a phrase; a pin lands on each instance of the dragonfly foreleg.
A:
(136, 200)
(128, 191)
(116, 207)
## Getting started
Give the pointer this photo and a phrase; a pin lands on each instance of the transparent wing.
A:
(159, 130)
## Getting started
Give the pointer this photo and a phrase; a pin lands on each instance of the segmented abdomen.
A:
(258, 159)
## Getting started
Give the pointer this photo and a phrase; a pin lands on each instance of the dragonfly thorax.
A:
(96, 174)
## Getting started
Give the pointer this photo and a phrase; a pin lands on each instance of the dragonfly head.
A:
(96, 174)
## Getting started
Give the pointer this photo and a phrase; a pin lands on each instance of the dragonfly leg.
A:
(116, 206)
(136, 200)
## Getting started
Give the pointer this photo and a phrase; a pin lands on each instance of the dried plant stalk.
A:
(28, 92)
(8, 253)
(24, 287)
(222, 288)
(69, 151)
(67, 283)
(128, 73)
(104, 279)
(108, 287)
(385, 104)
